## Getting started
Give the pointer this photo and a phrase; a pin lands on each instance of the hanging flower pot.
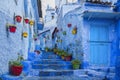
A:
(12, 28)
(35, 39)
(64, 32)
(74, 31)
(26, 20)
(31, 22)
(18, 18)
(24, 34)
(69, 25)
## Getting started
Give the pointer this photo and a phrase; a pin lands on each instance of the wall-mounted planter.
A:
(35, 39)
(25, 34)
(31, 22)
(12, 28)
(26, 20)
(18, 18)
(74, 31)
(64, 32)
(69, 25)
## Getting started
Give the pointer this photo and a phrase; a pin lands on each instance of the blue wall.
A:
(13, 43)
(82, 37)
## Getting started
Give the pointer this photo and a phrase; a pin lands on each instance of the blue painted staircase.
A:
(49, 64)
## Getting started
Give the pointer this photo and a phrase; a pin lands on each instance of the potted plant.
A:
(76, 64)
(15, 67)
(69, 25)
(63, 55)
(31, 22)
(25, 34)
(68, 57)
(74, 31)
(12, 28)
(35, 37)
(46, 49)
(64, 32)
(18, 18)
(55, 50)
(37, 52)
(26, 20)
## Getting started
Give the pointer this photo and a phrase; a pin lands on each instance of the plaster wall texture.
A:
(12, 43)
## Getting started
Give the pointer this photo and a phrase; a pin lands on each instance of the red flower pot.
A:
(26, 21)
(15, 70)
(68, 58)
(12, 29)
(18, 18)
(69, 25)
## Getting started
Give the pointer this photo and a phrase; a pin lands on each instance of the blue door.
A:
(99, 45)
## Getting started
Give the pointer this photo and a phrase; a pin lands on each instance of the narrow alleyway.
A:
(60, 40)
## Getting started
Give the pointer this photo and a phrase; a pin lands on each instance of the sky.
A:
(51, 3)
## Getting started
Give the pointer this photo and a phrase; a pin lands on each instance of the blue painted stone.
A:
(31, 56)
(26, 67)
(10, 77)
(85, 64)
(117, 70)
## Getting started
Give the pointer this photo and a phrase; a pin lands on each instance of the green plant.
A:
(76, 64)
(17, 62)
(75, 61)
(46, 49)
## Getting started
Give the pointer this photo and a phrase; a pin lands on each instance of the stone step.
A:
(52, 66)
(55, 72)
(81, 72)
(51, 62)
(104, 69)
(71, 77)
(50, 57)
(50, 72)
(101, 75)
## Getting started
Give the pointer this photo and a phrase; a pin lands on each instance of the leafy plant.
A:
(15, 63)
(75, 61)
(18, 61)
(76, 64)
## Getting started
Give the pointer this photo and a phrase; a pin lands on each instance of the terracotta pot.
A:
(12, 29)
(26, 20)
(63, 57)
(18, 18)
(68, 58)
(15, 70)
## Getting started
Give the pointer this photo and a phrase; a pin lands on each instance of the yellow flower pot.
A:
(74, 31)
(31, 22)
(25, 34)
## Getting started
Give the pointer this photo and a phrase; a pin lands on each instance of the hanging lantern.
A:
(12, 28)
(74, 31)
(31, 22)
(69, 25)
(18, 18)
(26, 20)
(25, 34)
